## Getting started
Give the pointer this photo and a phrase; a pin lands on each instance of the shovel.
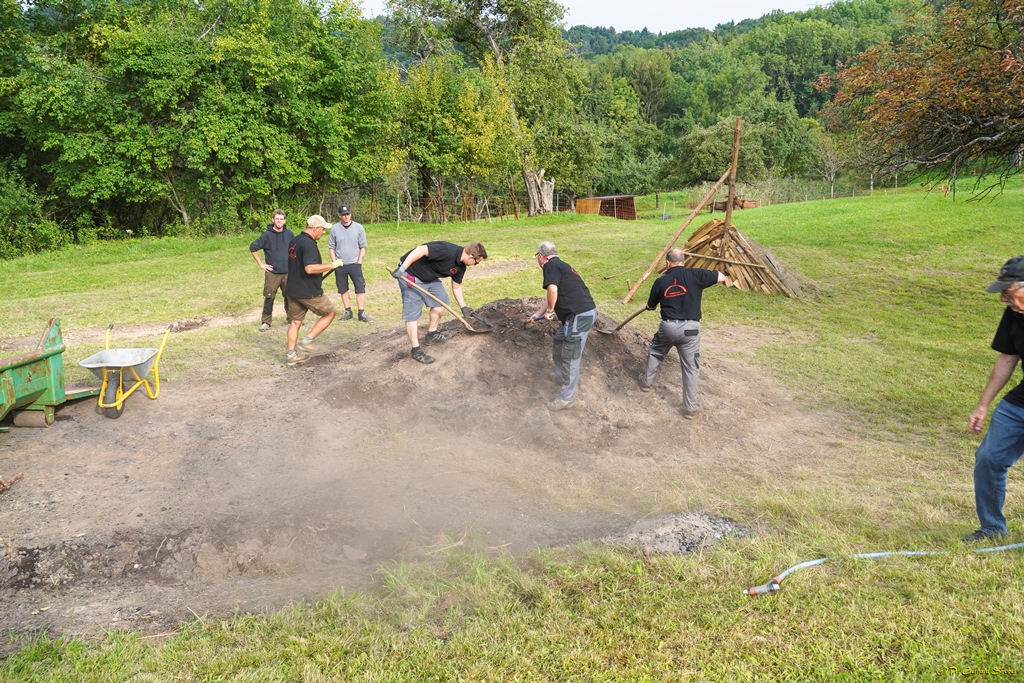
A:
(623, 323)
(451, 310)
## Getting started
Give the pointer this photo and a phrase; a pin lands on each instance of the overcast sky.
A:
(659, 16)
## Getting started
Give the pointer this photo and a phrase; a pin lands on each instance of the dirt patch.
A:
(678, 534)
(250, 495)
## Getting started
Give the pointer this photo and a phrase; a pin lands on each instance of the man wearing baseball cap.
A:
(1004, 442)
(348, 243)
(305, 291)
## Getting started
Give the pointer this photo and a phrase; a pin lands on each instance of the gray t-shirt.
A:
(346, 242)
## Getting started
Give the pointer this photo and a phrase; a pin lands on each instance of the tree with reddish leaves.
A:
(948, 98)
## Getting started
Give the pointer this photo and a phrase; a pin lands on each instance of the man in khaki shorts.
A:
(305, 291)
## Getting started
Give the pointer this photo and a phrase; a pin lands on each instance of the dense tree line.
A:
(170, 117)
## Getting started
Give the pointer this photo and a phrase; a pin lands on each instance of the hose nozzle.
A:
(773, 585)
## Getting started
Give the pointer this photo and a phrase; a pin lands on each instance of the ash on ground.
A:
(678, 533)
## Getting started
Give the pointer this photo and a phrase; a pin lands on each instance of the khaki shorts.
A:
(296, 308)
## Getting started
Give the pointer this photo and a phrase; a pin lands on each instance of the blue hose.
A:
(775, 583)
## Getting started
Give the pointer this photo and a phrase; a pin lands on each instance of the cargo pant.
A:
(567, 351)
(271, 283)
(684, 335)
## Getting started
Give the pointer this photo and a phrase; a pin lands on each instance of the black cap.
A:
(1012, 271)
(343, 210)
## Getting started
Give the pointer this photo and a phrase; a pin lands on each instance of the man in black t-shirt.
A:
(679, 293)
(305, 291)
(569, 299)
(426, 265)
(1004, 442)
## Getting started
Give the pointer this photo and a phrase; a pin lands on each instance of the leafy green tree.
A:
(208, 108)
(648, 72)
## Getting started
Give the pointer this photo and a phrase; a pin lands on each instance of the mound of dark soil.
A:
(248, 495)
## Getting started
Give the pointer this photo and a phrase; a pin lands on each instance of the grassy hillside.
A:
(896, 338)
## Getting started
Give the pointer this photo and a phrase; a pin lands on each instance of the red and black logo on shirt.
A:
(674, 289)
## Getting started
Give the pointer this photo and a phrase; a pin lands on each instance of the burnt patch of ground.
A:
(678, 533)
(249, 495)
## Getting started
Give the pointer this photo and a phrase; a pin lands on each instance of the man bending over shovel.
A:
(570, 300)
(425, 266)
(679, 293)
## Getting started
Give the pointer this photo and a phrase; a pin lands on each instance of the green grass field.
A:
(896, 339)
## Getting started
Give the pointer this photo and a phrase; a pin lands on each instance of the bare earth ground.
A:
(250, 495)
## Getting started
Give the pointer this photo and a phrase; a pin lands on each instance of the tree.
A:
(829, 158)
(208, 109)
(522, 42)
(949, 98)
(648, 72)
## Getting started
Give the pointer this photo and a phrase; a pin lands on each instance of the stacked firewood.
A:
(745, 266)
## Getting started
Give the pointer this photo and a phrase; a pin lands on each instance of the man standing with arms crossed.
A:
(679, 292)
(425, 266)
(348, 243)
(1004, 442)
(274, 242)
(305, 291)
(570, 300)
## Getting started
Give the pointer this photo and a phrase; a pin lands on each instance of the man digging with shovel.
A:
(570, 300)
(425, 266)
(679, 293)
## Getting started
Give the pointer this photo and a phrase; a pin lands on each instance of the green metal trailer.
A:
(32, 384)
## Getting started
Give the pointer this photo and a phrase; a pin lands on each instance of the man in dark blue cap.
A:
(1004, 442)
(348, 243)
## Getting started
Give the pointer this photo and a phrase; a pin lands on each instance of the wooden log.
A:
(657, 260)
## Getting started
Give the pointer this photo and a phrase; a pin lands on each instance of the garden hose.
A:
(775, 583)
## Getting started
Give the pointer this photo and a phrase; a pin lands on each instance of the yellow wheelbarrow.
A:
(123, 371)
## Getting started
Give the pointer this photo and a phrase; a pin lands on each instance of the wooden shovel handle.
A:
(423, 291)
(638, 312)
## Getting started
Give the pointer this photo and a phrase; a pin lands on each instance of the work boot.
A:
(978, 535)
(293, 358)
(418, 354)
(264, 327)
(364, 318)
(348, 314)
(558, 404)
(689, 414)
(306, 344)
(641, 380)
(435, 337)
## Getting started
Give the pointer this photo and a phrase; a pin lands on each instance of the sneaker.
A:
(264, 327)
(348, 314)
(420, 355)
(643, 385)
(689, 414)
(558, 404)
(295, 358)
(307, 345)
(364, 318)
(978, 535)
(435, 337)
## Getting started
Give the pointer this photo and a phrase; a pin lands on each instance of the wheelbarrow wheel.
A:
(111, 397)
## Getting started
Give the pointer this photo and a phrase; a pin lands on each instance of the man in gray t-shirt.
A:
(348, 243)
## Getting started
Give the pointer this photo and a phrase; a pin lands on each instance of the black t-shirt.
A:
(301, 252)
(679, 292)
(442, 260)
(1010, 340)
(573, 296)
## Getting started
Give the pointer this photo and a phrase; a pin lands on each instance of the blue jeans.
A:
(999, 450)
